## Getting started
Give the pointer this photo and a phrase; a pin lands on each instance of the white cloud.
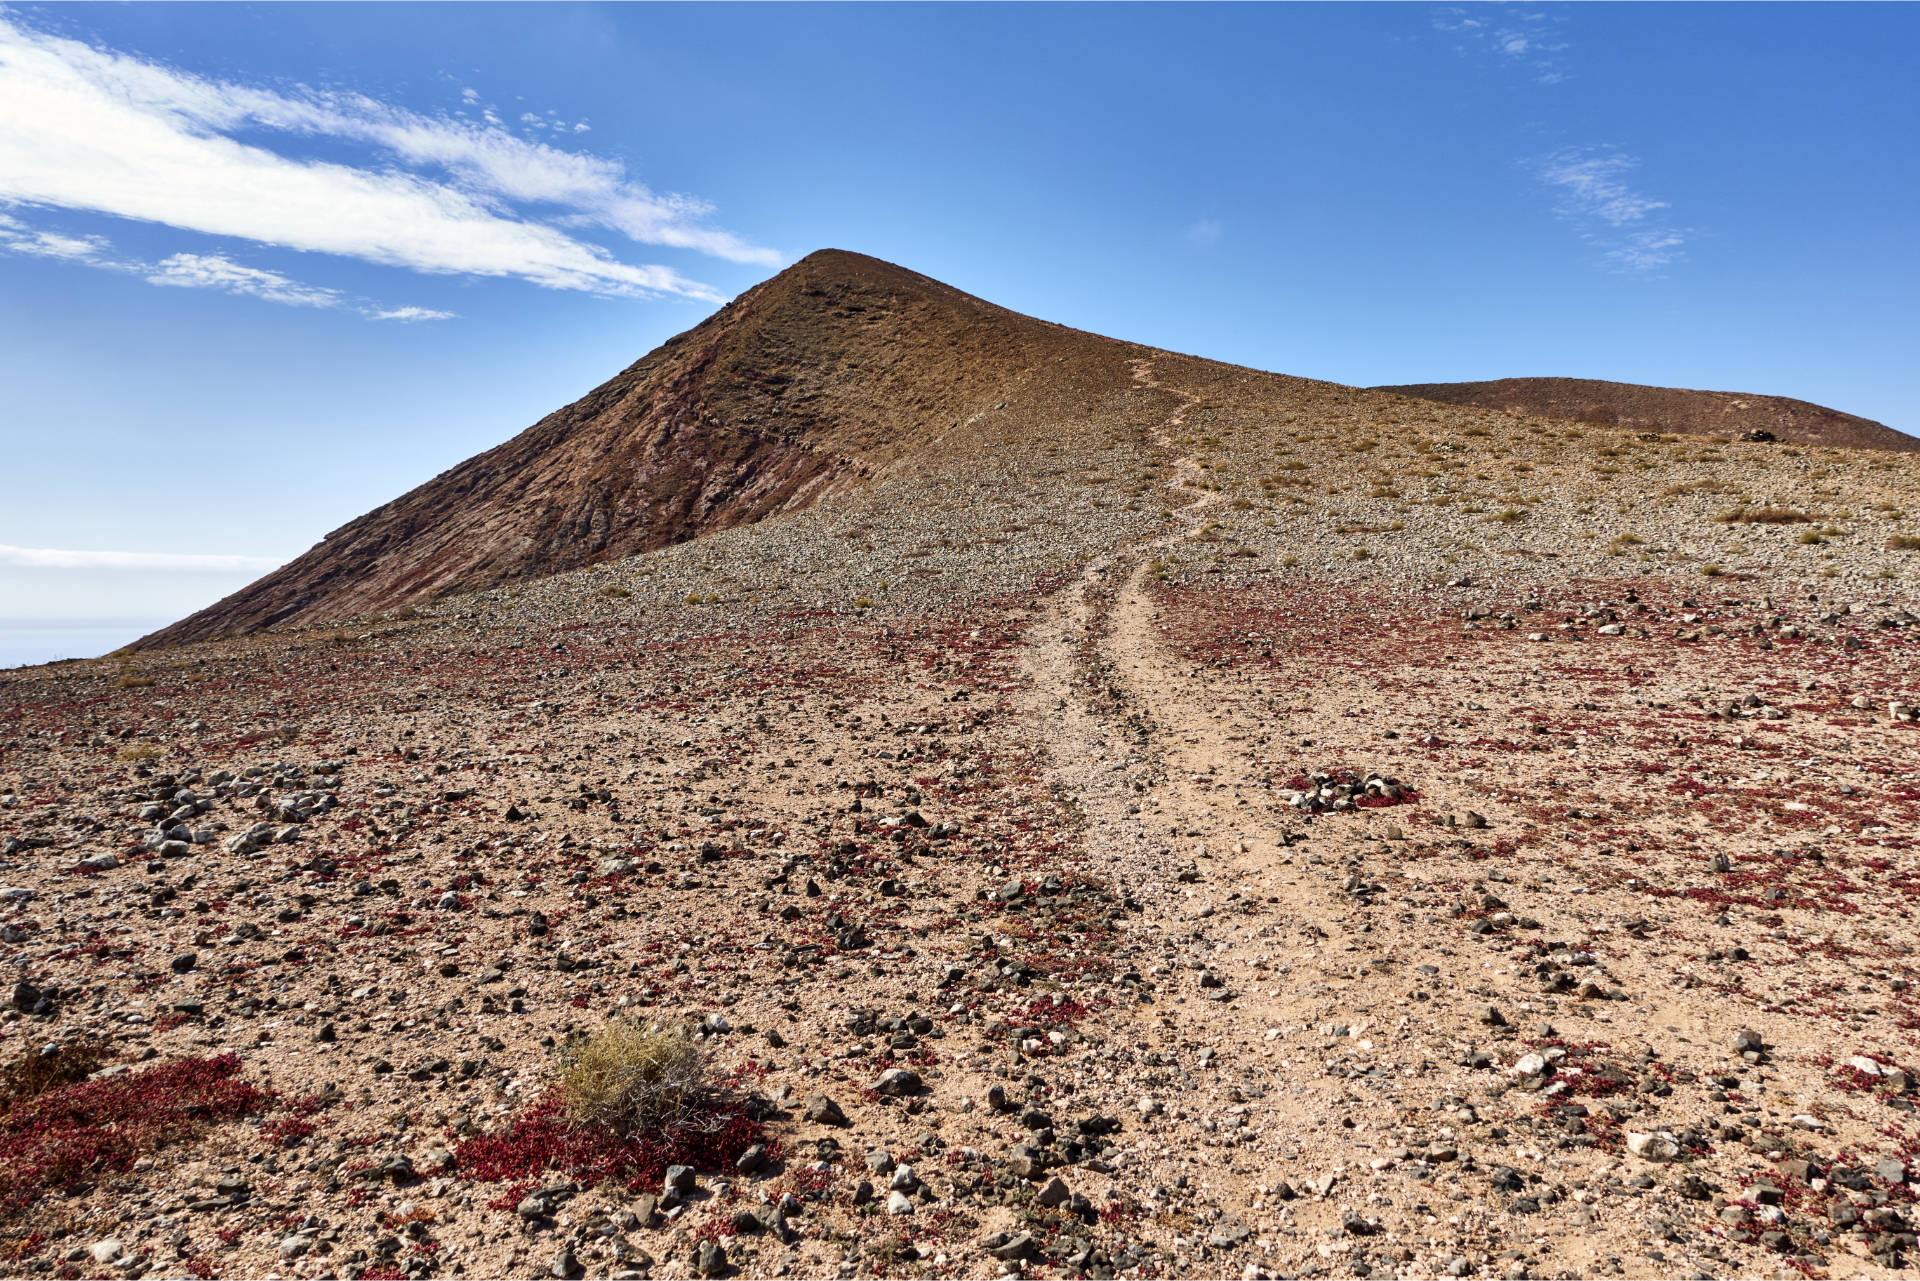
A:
(194, 271)
(89, 129)
(1205, 231)
(1596, 198)
(1647, 250)
(411, 314)
(212, 271)
(1592, 186)
(1518, 38)
(153, 562)
(1590, 183)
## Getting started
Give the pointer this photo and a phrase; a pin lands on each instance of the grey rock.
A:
(1054, 1193)
(822, 1110)
(710, 1260)
(679, 1179)
(898, 1082)
(1011, 1247)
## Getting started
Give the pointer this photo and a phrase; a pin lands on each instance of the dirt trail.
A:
(1234, 883)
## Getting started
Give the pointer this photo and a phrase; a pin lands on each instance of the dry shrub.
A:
(35, 1072)
(1903, 543)
(1763, 516)
(132, 680)
(1708, 486)
(137, 752)
(632, 1079)
(631, 1101)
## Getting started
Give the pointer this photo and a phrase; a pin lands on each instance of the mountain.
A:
(802, 386)
(1667, 409)
(840, 370)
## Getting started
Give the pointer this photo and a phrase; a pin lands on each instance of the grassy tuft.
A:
(632, 1079)
(1763, 516)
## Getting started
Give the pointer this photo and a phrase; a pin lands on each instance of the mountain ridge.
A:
(837, 370)
(1668, 409)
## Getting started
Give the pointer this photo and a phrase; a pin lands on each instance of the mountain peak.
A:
(802, 385)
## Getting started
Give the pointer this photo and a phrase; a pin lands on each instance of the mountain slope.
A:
(841, 370)
(806, 383)
(1667, 409)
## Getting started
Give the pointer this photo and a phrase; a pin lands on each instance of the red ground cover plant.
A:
(542, 1141)
(69, 1135)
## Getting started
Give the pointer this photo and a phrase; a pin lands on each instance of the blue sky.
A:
(262, 269)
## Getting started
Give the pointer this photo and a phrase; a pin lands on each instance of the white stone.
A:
(1658, 1146)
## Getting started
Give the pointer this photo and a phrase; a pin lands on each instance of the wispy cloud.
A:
(1594, 195)
(1592, 183)
(155, 562)
(408, 314)
(90, 129)
(195, 271)
(211, 271)
(1205, 231)
(1515, 36)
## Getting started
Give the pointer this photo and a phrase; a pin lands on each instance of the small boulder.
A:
(898, 1082)
(1657, 1146)
(822, 1110)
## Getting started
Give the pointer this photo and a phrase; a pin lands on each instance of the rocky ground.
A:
(1326, 835)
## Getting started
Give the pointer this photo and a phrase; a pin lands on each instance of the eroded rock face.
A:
(1669, 409)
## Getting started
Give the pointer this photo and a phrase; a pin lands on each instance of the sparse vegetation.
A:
(632, 1079)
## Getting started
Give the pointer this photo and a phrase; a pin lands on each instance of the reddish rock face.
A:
(1667, 409)
(804, 384)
